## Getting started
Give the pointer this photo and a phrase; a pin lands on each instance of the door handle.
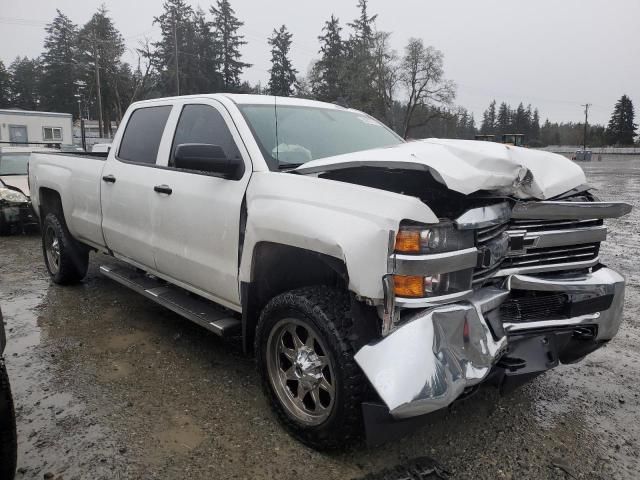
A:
(109, 179)
(163, 189)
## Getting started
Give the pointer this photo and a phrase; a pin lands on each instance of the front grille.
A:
(536, 306)
(553, 255)
(546, 225)
(534, 257)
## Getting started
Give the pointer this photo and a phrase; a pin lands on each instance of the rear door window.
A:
(203, 124)
(141, 139)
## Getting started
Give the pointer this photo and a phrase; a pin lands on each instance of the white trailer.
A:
(25, 126)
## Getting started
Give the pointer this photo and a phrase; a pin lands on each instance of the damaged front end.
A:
(534, 294)
(16, 211)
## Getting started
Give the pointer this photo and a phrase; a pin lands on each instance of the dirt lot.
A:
(109, 385)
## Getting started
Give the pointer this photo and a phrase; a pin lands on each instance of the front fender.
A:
(346, 221)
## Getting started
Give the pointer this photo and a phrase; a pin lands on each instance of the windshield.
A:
(14, 163)
(310, 133)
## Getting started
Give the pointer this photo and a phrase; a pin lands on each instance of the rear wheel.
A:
(8, 439)
(67, 260)
(306, 363)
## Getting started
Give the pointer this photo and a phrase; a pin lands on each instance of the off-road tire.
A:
(5, 228)
(8, 438)
(328, 311)
(74, 257)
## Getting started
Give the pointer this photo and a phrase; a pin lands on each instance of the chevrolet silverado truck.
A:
(375, 280)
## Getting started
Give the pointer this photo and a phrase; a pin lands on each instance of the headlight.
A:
(12, 196)
(440, 238)
(419, 246)
(420, 286)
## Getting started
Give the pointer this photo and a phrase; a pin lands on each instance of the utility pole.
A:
(175, 45)
(82, 135)
(586, 120)
(98, 92)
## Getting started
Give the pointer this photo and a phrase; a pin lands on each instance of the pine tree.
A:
(535, 125)
(4, 86)
(59, 65)
(100, 48)
(176, 28)
(360, 90)
(283, 75)
(327, 73)
(488, 126)
(208, 72)
(25, 83)
(622, 129)
(503, 121)
(228, 41)
(519, 121)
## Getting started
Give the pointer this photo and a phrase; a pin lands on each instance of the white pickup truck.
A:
(376, 280)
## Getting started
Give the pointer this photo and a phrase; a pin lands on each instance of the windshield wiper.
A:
(283, 165)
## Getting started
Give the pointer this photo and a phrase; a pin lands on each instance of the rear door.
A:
(196, 226)
(127, 185)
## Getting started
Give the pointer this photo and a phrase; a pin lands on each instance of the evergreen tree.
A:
(282, 74)
(535, 126)
(621, 129)
(326, 83)
(4, 86)
(228, 42)
(176, 28)
(519, 120)
(25, 83)
(503, 120)
(207, 51)
(360, 90)
(100, 48)
(488, 126)
(59, 65)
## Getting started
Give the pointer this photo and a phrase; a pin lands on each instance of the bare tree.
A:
(422, 74)
(385, 76)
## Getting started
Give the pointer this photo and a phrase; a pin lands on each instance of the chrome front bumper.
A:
(429, 361)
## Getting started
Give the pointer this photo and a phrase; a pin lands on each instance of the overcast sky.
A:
(555, 55)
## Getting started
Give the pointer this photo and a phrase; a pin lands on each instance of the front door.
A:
(18, 134)
(196, 227)
(127, 186)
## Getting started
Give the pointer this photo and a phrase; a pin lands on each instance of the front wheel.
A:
(307, 367)
(8, 442)
(67, 260)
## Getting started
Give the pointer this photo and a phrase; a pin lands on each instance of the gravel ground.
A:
(109, 385)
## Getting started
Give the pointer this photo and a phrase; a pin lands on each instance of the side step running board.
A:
(203, 312)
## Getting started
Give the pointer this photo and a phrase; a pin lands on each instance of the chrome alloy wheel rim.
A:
(52, 248)
(300, 371)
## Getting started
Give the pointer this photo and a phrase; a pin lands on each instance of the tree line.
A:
(621, 129)
(199, 51)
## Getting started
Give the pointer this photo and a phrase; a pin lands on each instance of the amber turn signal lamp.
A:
(408, 241)
(408, 285)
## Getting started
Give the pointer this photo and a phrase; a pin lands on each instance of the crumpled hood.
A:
(467, 166)
(20, 182)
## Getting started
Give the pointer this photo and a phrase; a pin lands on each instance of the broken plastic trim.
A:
(560, 210)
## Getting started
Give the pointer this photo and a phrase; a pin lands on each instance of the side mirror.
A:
(205, 157)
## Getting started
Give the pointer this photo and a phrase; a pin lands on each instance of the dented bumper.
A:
(441, 352)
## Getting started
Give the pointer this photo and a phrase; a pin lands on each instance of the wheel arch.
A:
(278, 268)
(50, 201)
